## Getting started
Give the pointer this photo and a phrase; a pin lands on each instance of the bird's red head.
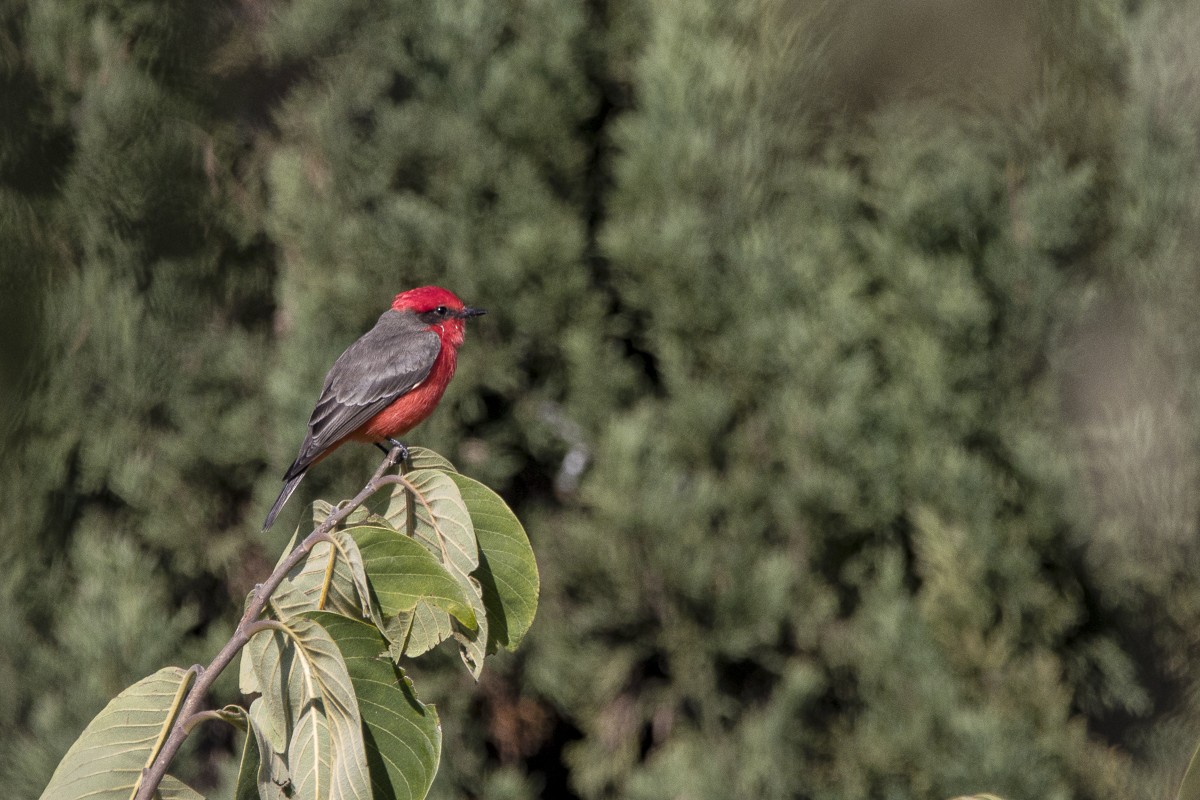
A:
(440, 309)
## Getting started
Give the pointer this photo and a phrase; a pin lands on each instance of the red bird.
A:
(386, 382)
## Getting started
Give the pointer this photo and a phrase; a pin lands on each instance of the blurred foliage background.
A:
(842, 359)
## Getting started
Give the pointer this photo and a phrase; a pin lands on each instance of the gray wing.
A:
(387, 361)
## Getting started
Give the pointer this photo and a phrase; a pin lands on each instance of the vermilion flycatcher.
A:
(387, 381)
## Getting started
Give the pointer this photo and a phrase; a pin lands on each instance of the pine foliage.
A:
(841, 360)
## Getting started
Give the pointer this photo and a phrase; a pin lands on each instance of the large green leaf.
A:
(338, 770)
(311, 755)
(359, 516)
(403, 737)
(246, 786)
(105, 761)
(171, 788)
(420, 458)
(262, 772)
(424, 458)
(507, 572)
(308, 710)
(398, 574)
(265, 670)
(449, 534)
(418, 631)
(302, 591)
(333, 570)
(254, 747)
(401, 572)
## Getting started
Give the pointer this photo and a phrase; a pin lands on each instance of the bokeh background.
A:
(842, 359)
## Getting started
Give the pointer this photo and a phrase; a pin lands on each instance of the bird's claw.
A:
(395, 444)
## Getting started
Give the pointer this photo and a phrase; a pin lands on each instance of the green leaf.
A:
(311, 755)
(412, 633)
(419, 458)
(266, 664)
(266, 775)
(328, 733)
(401, 573)
(321, 509)
(308, 695)
(424, 458)
(350, 553)
(348, 592)
(450, 535)
(404, 739)
(235, 715)
(247, 678)
(171, 788)
(507, 572)
(262, 773)
(105, 761)
(246, 787)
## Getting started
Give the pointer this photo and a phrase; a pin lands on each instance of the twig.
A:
(250, 624)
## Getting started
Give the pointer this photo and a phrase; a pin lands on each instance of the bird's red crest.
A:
(426, 298)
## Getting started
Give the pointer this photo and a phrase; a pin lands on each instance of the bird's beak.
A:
(471, 312)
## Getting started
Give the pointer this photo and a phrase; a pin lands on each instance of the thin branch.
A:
(335, 549)
(250, 624)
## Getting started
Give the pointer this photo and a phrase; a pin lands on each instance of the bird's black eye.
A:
(441, 311)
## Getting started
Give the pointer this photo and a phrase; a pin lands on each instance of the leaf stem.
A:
(250, 624)
(336, 548)
(325, 584)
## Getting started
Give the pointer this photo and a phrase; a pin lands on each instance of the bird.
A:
(386, 382)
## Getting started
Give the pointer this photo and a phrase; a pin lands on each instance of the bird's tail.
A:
(289, 486)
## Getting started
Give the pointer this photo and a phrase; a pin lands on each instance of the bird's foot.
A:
(404, 455)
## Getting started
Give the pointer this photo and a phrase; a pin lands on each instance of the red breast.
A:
(409, 409)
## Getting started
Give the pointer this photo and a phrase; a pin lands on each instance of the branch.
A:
(250, 624)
